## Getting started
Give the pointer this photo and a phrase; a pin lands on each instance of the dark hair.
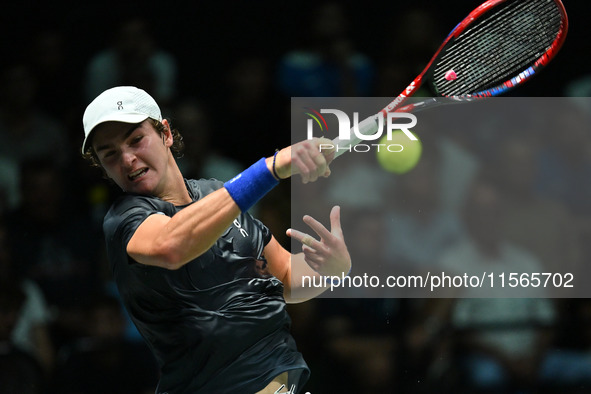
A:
(177, 145)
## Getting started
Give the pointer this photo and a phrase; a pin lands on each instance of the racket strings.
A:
(518, 61)
(497, 52)
(506, 58)
(504, 43)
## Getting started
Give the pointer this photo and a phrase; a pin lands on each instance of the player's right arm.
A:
(171, 242)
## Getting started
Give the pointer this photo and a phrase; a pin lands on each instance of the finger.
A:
(298, 167)
(309, 241)
(321, 165)
(312, 162)
(318, 227)
(330, 152)
(295, 234)
(316, 163)
(312, 254)
(309, 165)
(330, 157)
(335, 221)
(315, 264)
(303, 238)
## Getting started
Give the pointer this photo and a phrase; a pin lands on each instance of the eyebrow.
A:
(127, 134)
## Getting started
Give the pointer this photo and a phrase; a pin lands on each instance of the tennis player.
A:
(205, 283)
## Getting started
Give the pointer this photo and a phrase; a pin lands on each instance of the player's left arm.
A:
(327, 256)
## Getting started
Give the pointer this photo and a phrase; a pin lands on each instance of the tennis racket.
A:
(497, 47)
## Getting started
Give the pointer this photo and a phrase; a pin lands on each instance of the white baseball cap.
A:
(126, 104)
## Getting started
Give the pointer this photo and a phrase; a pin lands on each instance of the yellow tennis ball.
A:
(400, 154)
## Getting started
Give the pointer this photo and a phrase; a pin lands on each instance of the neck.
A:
(175, 191)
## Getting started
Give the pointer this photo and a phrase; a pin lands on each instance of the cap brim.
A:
(124, 118)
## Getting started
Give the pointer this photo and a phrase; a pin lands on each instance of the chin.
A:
(140, 188)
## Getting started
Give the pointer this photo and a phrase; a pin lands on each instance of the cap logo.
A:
(119, 105)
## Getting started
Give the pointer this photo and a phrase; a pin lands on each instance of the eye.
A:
(136, 139)
(108, 154)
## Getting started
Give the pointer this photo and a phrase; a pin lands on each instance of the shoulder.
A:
(131, 202)
(133, 208)
(200, 188)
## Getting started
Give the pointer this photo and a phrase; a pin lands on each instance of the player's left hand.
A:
(329, 254)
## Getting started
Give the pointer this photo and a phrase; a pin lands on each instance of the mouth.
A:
(137, 174)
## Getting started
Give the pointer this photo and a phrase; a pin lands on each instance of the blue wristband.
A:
(251, 185)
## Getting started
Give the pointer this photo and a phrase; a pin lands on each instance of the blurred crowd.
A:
(62, 328)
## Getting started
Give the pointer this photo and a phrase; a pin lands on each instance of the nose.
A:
(127, 158)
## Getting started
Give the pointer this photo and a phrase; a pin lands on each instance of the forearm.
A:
(171, 242)
(193, 230)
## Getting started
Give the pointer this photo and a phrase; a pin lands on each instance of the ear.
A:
(167, 137)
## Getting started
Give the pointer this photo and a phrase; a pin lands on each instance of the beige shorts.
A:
(276, 384)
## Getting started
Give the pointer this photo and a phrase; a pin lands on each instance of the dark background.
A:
(207, 38)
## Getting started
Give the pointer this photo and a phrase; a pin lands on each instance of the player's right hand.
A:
(309, 158)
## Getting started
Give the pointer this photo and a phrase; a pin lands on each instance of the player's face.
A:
(134, 156)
